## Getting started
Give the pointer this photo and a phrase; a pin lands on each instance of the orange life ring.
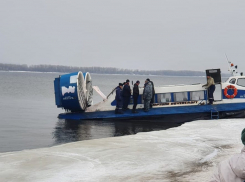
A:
(226, 90)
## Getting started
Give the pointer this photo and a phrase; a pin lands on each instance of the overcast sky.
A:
(134, 34)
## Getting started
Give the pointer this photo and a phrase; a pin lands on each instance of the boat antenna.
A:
(229, 63)
(231, 66)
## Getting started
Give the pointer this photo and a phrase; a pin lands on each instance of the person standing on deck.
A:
(119, 99)
(153, 93)
(126, 95)
(211, 88)
(147, 95)
(135, 95)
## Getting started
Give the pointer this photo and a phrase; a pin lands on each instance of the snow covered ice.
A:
(186, 153)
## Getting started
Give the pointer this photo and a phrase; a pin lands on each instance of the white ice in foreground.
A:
(186, 153)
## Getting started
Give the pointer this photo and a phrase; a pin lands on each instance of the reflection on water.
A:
(73, 130)
(28, 110)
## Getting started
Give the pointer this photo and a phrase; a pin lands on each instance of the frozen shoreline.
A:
(186, 153)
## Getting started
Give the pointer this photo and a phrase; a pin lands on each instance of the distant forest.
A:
(99, 70)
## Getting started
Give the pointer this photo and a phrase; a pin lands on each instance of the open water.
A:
(28, 114)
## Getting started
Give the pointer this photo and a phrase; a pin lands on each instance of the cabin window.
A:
(197, 95)
(180, 96)
(241, 82)
(232, 81)
(161, 98)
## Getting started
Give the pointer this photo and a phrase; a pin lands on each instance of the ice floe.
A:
(186, 153)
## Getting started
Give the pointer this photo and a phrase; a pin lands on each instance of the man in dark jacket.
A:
(126, 95)
(119, 99)
(135, 95)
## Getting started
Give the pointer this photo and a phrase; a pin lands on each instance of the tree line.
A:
(98, 70)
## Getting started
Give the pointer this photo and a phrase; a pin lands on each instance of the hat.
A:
(137, 81)
(120, 84)
(127, 81)
(243, 136)
(148, 79)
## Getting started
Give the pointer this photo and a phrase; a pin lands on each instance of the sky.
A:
(132, 34)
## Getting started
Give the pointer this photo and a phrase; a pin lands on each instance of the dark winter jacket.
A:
(118, 94)
(126, 91)
(136, 90)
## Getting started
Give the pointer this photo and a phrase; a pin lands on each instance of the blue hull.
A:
(205, 110)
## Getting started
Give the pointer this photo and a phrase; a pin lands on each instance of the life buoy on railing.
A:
(234, 90)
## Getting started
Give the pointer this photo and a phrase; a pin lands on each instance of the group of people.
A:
(123, 95)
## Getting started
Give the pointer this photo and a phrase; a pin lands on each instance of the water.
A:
(28, 114)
